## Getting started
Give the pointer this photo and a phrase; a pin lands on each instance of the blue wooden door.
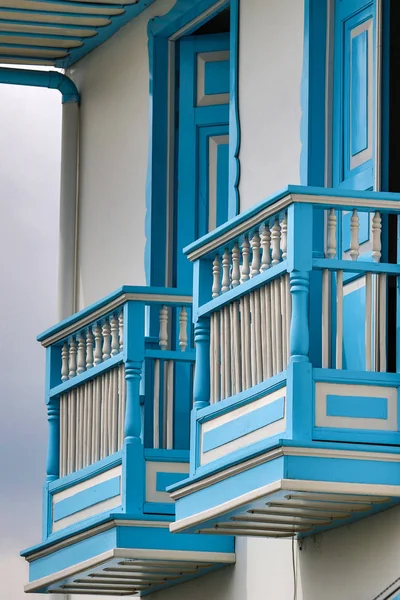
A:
(202, 173)
(354, 93)
(353, 168)
(203, 141)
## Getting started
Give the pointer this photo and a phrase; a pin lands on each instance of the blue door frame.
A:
(183, 19)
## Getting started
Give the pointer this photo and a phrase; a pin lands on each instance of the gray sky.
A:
(30, 134)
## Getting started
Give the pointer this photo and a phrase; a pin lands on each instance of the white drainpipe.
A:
(67, 288)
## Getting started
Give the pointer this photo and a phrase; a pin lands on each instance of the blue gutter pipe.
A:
(69, 192)
(48, 79)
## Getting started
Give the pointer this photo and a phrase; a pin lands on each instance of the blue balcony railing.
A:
(295, 329)
(119, 393)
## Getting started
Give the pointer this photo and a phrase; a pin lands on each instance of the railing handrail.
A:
(325, 197)
(99, 309)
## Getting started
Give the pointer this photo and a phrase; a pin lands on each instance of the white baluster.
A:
(331, 237)
(121, 331)
(235, 266)
(276, 243)
(354, 227)
(255, 263)
(163, 335)
(81, 354)
(225, 271)
(106, 340)
(72, 358)
(284, 237)
(216, 287)
(89, 349)
(114, 336)
(246, 260)
(183, 336)
(64, 362)
(98, 340)
(376, 237)
(266, 248)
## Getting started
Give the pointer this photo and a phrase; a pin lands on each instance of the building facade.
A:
(222, 387)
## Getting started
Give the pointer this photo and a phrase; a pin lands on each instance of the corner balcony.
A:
(295, 427)
(118, 404)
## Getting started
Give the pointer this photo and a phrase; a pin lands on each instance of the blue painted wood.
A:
(162, 455)
(156, 183)
(201, 390)
(206, 134)
(193, 157)
(86, 498)
(85, 376)
(357, 436)
(299, 190)
(234, 121)
(359, 91)
(242, 398)
(114, 296)
(361, 377)
(299, 327)
(53, 442)
(217, 77)
(160, 508)
(312, 128)
(103, 33)
(240, 426)
(86, 473)
(356, 407)
(176, 355)
(359, 267)
(245, 288)
(133, 488)
(354, 317)
(300, 405)
(351, 119)
(46, 511)
(164, 480)
(230, 488)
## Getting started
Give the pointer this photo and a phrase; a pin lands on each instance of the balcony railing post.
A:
(133, 491)
(299, 382)
(53, 445)
(133, 358)
(299, 328)
(53, 370)
(201, 391)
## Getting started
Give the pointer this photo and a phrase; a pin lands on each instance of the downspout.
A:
(69, 175)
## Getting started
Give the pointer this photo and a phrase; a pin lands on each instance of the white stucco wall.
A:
(356, 562)
(270, 71)
(113, 81)
(263, 571)
(114, 86)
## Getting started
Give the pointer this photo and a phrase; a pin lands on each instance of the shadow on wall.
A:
(354, 562)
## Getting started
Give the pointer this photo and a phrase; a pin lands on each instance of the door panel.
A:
(354, 90)
(202, 176)
(203, 141)
(353, 152)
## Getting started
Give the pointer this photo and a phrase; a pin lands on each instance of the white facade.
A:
(270, 72)
(114, 85)
(113, 82)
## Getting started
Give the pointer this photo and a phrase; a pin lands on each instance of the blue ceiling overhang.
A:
(60, 32)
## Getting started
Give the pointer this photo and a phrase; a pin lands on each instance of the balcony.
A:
(118, 403)
(295, 428)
